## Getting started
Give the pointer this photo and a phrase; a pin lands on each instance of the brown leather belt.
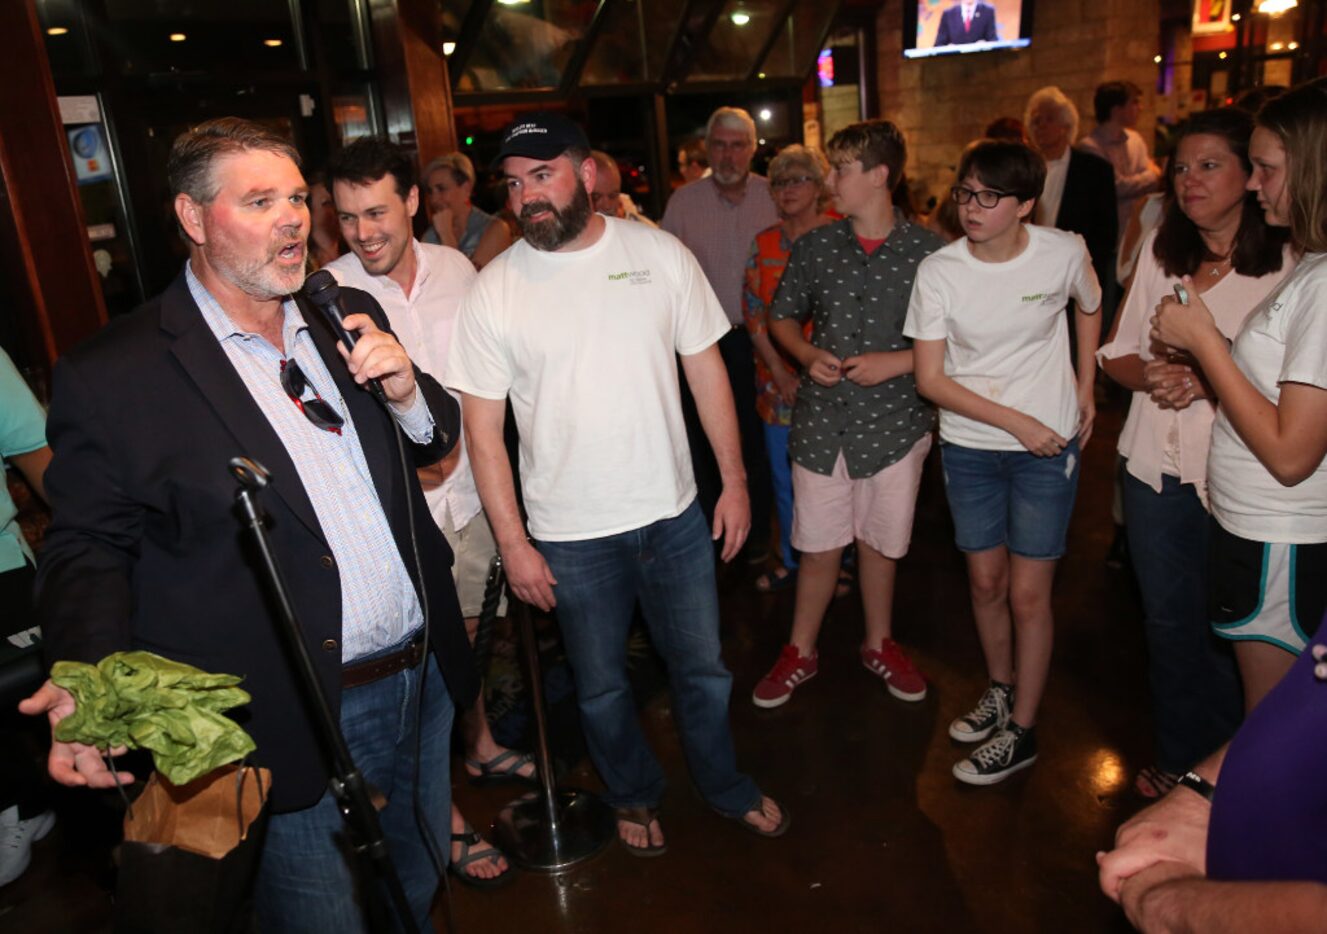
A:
(361, 673)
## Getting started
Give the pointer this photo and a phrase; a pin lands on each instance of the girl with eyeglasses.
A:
(991, 344)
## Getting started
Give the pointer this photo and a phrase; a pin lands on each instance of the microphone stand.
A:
(555, 827)
(347, 782)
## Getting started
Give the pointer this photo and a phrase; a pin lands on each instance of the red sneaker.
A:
(900, 675)
(789, 671)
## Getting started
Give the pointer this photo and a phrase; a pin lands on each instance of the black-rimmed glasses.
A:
(779, 183)
(316, 410)
(986, 197)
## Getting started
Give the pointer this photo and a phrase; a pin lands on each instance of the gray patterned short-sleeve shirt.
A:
(858, 304)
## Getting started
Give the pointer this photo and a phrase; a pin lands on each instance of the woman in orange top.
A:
(797, 182)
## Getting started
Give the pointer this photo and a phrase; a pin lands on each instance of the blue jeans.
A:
(669, 566)
(1011, 498)
(308, 880)
(1196, 700)
(781, 476)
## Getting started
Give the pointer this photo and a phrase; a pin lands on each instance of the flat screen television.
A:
(945, 27)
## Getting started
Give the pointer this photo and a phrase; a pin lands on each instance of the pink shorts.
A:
(829, 512)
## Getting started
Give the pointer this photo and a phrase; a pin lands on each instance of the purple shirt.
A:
(720, 232)
(1269, 814)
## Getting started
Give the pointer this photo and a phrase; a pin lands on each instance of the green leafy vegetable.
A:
(144, 701)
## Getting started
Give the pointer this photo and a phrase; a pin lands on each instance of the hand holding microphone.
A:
(374, 357)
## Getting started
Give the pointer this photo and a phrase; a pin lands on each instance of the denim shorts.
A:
(1011, 498)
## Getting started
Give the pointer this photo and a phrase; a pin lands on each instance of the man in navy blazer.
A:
(145, 550)
(966, 22)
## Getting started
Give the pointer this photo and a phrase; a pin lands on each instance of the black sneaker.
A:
(1011, 749)
(990, 714)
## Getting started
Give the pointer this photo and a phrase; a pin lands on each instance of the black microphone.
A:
(322, 290)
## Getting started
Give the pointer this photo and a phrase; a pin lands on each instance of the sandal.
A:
(773, 581)
(641, 817)
(493, 772)
(1152, 782)
(470, 838)
(785, 820)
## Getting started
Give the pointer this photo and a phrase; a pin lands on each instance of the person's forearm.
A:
(33, 467)
(707, 378)
(1088, 329)
(1139, 183)
(901, 362)
(1202, 906)
(787, 333)
(493, 478)
(1127, 371)
(769, 354)
(948, 394)
(1255, 418)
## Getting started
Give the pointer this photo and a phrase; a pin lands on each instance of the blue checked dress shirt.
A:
(379, 608)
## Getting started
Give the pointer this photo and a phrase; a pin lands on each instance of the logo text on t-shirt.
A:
(634, 276)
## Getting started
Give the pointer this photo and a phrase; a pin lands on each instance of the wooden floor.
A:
(883, 838)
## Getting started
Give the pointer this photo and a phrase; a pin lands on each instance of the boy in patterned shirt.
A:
(860, 433)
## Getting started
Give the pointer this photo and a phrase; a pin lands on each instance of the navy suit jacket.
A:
(146, 550)
(951, 30)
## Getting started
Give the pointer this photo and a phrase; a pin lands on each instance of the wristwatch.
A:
(1195, 782)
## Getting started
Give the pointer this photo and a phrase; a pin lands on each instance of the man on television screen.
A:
(967, 21)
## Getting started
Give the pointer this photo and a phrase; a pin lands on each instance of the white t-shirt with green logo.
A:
(583, 343)
(1005, 329)
(1284, 340)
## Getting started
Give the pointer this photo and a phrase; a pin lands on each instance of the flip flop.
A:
(494, 772)
(773, 581)
(471, 838)
(785, 820)
(641, 817)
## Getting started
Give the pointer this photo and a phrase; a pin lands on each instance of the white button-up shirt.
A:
(423, 322)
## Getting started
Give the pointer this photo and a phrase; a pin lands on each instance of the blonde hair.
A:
(1299, 119)
(462, 169)
(795, 158)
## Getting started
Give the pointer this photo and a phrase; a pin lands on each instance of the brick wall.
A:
(943, 103)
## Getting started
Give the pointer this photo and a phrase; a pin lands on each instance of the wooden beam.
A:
(44, 249)
(416, 86)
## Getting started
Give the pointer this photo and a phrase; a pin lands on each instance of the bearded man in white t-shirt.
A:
(579, 325)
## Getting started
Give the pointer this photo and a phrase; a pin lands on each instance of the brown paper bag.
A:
(190, 853)
(209, 816)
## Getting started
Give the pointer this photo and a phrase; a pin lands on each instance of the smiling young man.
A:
(580, 325)
(420, 287)
(145, 550)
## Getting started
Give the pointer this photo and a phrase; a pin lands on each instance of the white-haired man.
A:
(718, 217)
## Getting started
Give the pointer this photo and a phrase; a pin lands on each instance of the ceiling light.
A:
(272, 43)
(1277, 46)
(1221, 55)
(178, 37)
(1292, 46)
(740, 18)
(513, 2)
(57, 30)
(1157, 59)
(448, 48)
(765, 114)
(1235, 17)
(1276, 7)
(761, 75)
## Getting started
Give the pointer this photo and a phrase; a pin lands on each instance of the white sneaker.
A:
(16, 839)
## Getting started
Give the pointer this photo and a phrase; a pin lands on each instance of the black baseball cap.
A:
(543, 135)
